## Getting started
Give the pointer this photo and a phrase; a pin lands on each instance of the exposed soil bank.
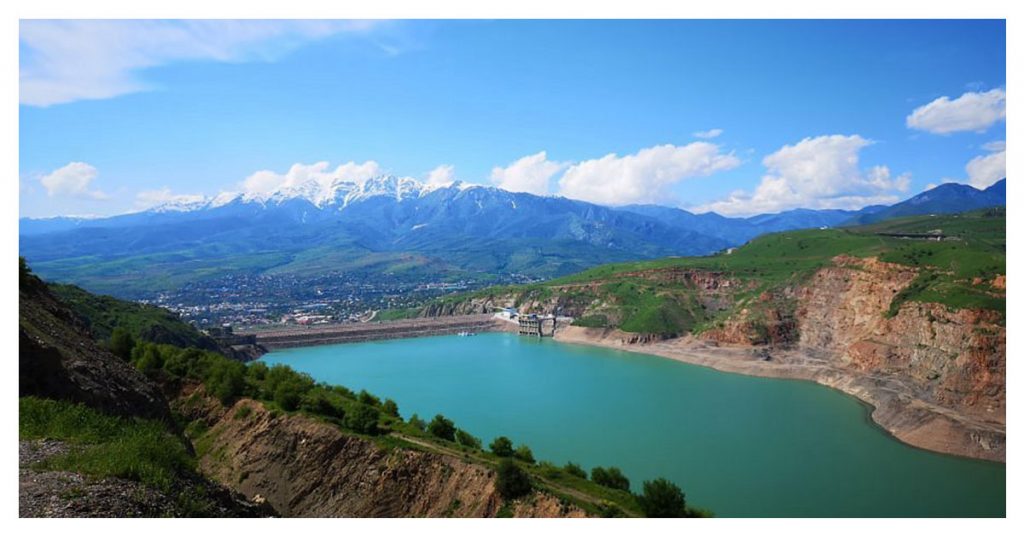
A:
(897, 407)
(307, 468)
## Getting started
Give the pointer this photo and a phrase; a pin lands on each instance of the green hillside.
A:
(957, 272)
(144, 322)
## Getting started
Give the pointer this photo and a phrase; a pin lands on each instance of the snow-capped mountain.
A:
(336, 193)
(341, 225)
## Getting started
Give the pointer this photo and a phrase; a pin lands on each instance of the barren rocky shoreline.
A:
(897, 407)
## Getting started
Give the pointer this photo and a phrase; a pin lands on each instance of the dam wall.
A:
(296, 336)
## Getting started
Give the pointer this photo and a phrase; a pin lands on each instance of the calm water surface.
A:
(738, 445)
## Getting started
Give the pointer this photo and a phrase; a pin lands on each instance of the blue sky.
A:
(733, 116)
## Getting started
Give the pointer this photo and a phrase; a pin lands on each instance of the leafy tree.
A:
(611, 477)
(575, 470)
(323, 402)
(287, 396)
(662, 498)
(512, 481)
(502, 446)
(121, 343)
(369, 400)
(391, 408)
(524, 453)
(285, 386)
(226, 380)
(363, 419)
(148, 360)
(442, 427)
(258, 371)
(187, 363)
(417, 422)
(466, 439)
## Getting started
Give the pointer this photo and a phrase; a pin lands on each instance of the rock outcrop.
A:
(58, 359)
(307, 468)
(954, 358)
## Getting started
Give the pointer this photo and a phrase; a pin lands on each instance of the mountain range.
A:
(400, 225)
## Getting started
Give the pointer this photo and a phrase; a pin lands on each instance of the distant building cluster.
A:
(338, 297)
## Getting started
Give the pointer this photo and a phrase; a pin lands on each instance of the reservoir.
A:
(737, 445)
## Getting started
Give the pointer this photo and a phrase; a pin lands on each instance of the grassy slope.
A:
(134, 449)
(149, 323)
(948, 270)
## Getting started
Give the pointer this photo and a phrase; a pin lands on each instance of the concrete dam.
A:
(295, 336)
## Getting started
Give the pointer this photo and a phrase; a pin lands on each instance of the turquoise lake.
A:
(737, 445)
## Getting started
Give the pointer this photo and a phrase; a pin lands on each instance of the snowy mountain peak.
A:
(321, 192)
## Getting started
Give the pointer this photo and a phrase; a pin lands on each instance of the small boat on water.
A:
(465, 334)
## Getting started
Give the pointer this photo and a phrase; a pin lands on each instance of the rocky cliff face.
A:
(306, 468)
(956, 359)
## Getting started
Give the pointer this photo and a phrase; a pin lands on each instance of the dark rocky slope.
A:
(58, 359)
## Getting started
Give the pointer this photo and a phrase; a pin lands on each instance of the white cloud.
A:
(644, 177)
(68, 60)
(266, 182)
(985, 170)
(995, 146)
(817, 173)
(151, 198)
(72, 180)
(708, 134)
(530, 174)
(972, 111)
(443, 174)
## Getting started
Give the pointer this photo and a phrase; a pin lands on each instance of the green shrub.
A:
(188, 363)
(466, 439)
(661, 498)
(502, 446)
(257, 372)
(226, 380)
(122, 343)
(287, 397)
(592, 321)
(363, 419)
(369, 400)
(284, 386)
(442, 427)
(611, 477)
(416, 422)
(512, 481)
(148, 360)
(323, 402)
(243, 412)
(390, 407)
(609, 509)
(524, 453)
(575, 470)
(549, 470)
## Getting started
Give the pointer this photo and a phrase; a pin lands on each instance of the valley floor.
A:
(897, 406)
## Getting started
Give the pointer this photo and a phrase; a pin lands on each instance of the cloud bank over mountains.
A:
(817, 173)
(822, 172)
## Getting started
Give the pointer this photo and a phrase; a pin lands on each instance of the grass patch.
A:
(105, 446)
